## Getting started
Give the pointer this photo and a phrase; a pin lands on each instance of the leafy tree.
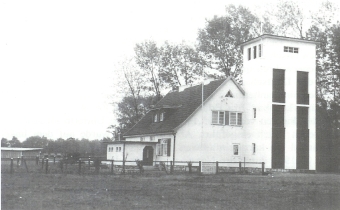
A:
(148, 59)
(4, 142)
(35, 142)
(290, 19)
(220, 38)
(14, 142)
(126, 113)
(180, 65)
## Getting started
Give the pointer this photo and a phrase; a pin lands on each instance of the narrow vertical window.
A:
(302, 88)
(235, 149)
(254, 148)
(214, 117)
(161, 117)
(254, 51)
(155, 119)
(239, 118)
(221, 118)
(249, 53)
(260, 50)
(279, 94)
(254, 109)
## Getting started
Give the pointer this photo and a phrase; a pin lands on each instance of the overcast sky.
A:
(58, 57)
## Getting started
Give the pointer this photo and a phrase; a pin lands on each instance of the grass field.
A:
(159, 191)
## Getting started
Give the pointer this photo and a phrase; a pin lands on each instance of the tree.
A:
(126, 115)
(14, 142)
(148, 58)
(36, 142)
(290, 19)
(220, 38)
(4, 142)
(180, 65)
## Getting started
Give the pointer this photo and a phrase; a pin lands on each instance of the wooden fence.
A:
(100, 165)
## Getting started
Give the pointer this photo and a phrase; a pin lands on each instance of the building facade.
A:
(270, 119)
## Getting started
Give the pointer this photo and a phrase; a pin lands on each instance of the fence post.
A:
(26, 165)
(171, 167)
(199, 167)
(37, 160)
(89, 162)
(79, 166)
(22, 160)
(18, 160)
(54, 160)
(61, 166)
(190, 167)
(46, 165)
(216, 167)
(123, 165)
(11, 171)
(111, 166)
(42, 163)
(240, 166)
(262, 168)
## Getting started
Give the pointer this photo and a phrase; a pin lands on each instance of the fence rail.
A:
(100, 165)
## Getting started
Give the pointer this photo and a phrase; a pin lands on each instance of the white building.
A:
(270, 119)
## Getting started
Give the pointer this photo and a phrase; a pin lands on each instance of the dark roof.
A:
(178, 106)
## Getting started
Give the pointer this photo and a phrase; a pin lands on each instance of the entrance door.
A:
(148, 156)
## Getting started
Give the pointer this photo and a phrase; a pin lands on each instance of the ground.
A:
(160, 191)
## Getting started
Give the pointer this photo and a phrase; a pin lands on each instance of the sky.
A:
(58, 58)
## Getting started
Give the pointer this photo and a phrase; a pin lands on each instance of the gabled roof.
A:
(178, 107)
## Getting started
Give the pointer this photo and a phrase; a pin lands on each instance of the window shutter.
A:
(226, 121)
(169, 147)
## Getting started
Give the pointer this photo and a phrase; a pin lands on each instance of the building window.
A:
(217, 117)
(253, 148)
(161, 117)
(155, 118)
(152, 138)
(302, 88)
(249, 53)
(279, 94)
(260, 50)
(235, 118)
(235, 149)
(254, 51)
(118, 149)
(142, 138)
(291, 49)
(163, 147)
(254, 109)
(226, 118)
(229, 94)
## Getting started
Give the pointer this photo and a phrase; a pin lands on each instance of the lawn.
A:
(160, 191)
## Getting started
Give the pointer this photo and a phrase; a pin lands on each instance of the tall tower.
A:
(279, 79)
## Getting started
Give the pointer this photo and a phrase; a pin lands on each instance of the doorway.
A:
(148, 156)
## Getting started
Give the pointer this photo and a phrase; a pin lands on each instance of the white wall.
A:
(206, 142)
(257, 79)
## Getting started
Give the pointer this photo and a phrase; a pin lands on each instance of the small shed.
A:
(15, 152)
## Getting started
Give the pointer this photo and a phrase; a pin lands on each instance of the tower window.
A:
(260, 50)
(254, 109)
(254, 50)
(253, 148)
(249, 53)
(291, 49)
